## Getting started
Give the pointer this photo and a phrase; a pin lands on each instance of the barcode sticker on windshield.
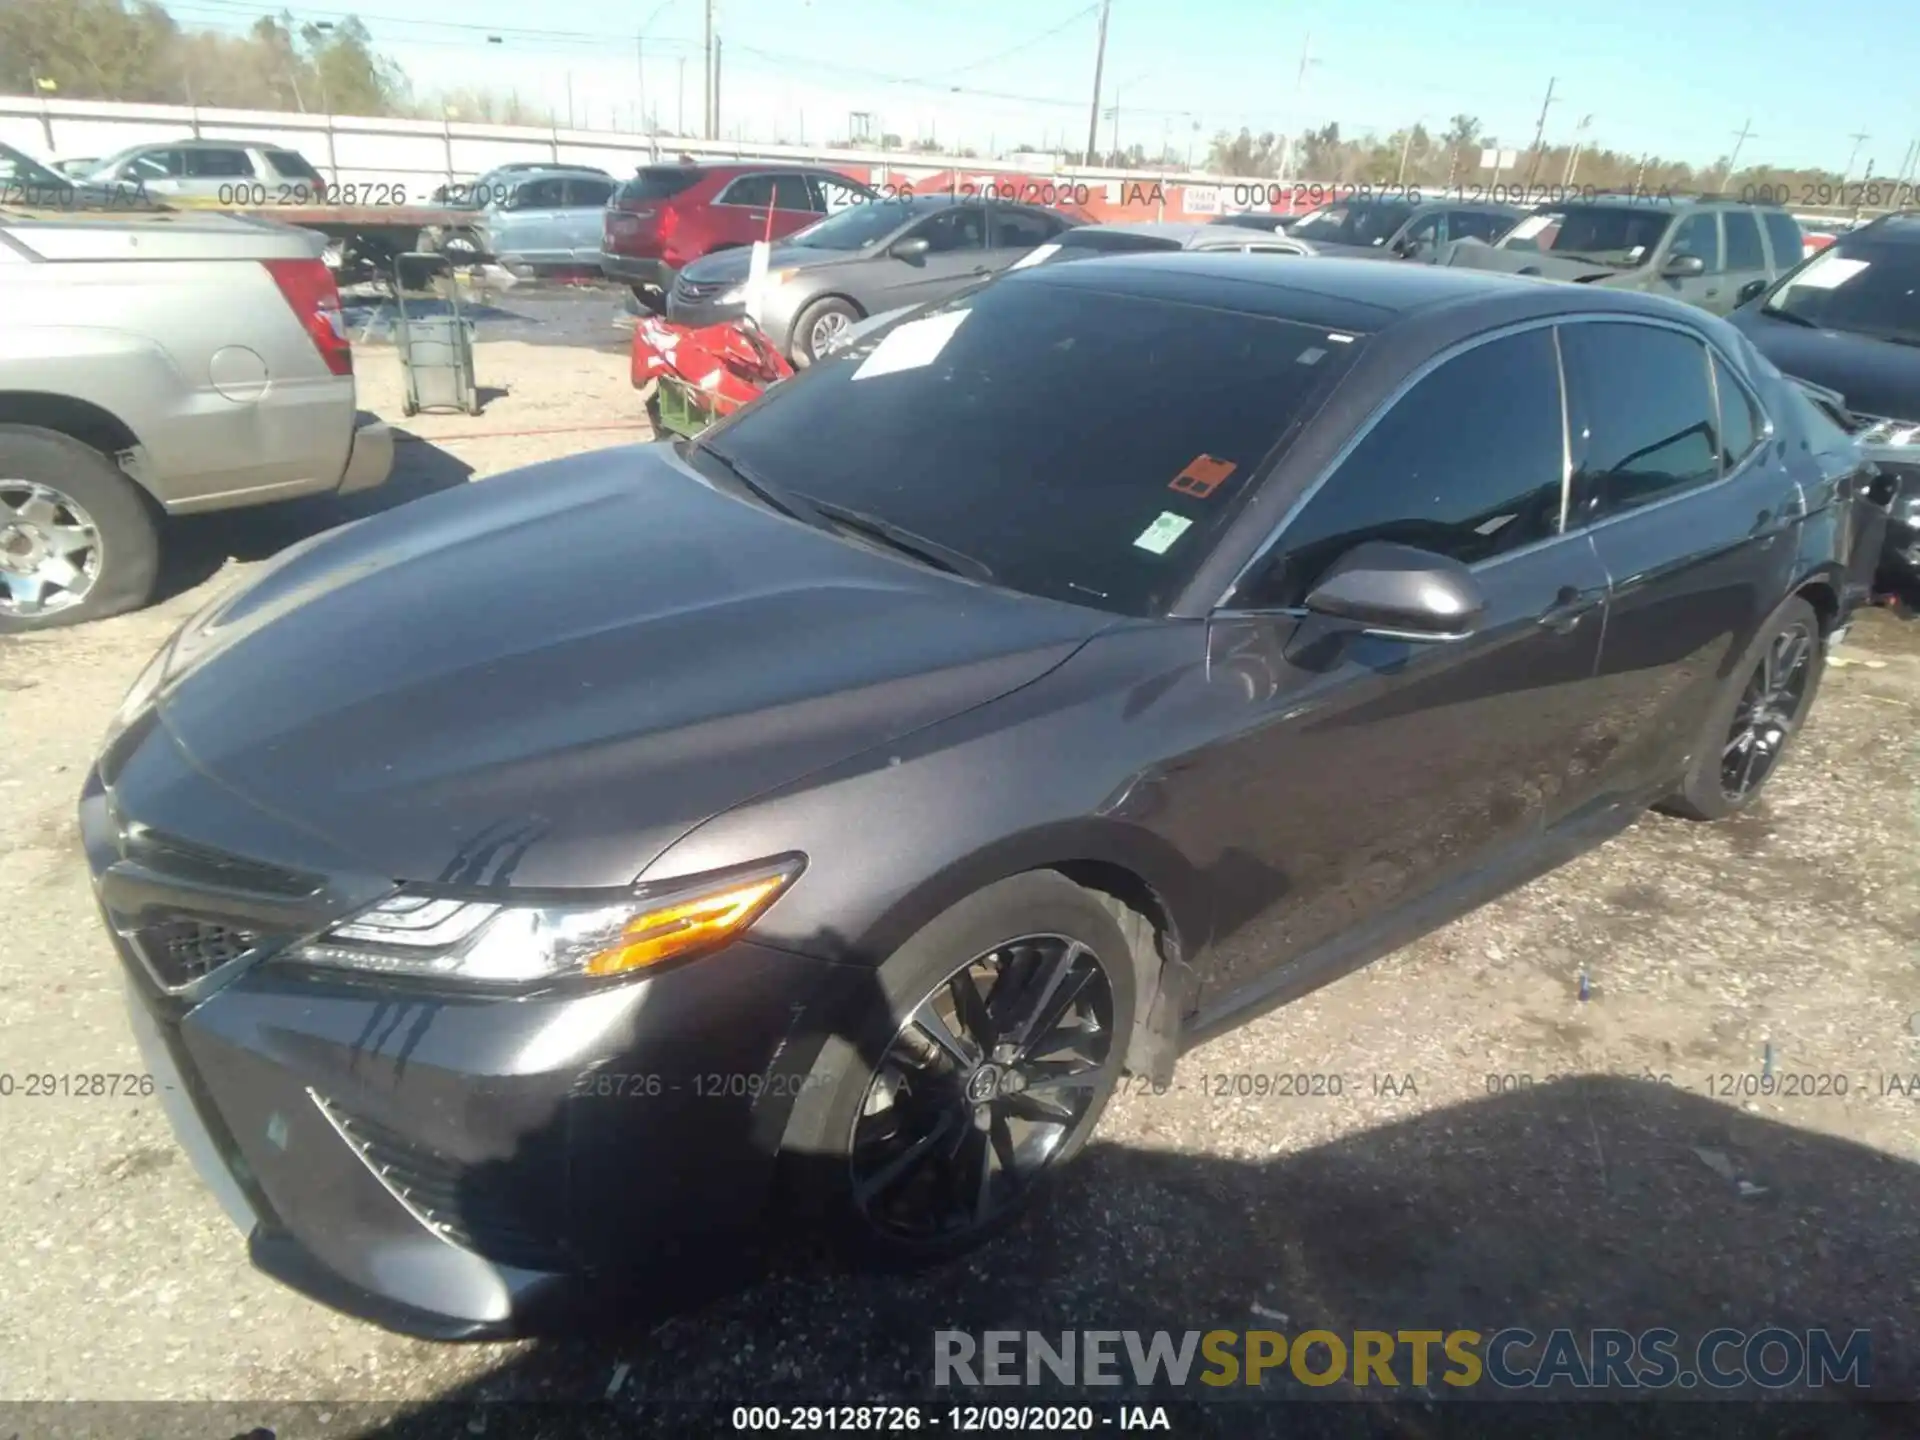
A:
(1160, 535)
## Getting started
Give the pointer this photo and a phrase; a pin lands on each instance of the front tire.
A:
(1765, 701)
(818, 324)
(78, 540)
(980, 1066)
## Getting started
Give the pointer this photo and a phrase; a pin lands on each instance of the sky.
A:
(1646, 75)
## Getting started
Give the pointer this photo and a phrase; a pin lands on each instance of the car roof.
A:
(1901, 228)
(547, 172)
(1364, 296)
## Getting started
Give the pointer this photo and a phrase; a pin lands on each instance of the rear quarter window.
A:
(658, 182)
(293, 166)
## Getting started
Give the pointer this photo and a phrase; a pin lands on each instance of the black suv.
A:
(1701, 249)
(1848, 319)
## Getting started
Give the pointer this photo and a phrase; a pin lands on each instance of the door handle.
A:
(1569, 607)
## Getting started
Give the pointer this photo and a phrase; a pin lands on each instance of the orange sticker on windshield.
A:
(1203, 476)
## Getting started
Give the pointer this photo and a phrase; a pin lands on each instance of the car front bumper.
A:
(637, 270)
(458, 1166)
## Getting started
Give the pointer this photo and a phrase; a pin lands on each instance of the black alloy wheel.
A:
(1769, 709)
(994, 1074)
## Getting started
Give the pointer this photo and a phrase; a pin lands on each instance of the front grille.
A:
(696, 291)
(457, 1202)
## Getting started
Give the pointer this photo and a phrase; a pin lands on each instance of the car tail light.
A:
(308, 288)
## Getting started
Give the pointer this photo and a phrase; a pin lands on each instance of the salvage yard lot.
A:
(1483, 1147)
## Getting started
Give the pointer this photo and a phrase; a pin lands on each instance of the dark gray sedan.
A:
(888, 255)
(1367, 227)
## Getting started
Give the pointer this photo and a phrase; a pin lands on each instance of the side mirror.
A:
(1683, 266)
(1401, 591)
(911, 248)
(1752, 290)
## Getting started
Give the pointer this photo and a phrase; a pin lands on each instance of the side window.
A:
(1469, 464)
(832, 194)
(1698, 234)
(582, 192)
(219, 164)
(1424, 232)
(790, 193)
(964, 227)
(1743, 241)
(539, 195)
(1022, 229)
(155, 165)
(1740, 421)
(1643, 419)
(1783, 232)
(1476, 225)
(748, 190)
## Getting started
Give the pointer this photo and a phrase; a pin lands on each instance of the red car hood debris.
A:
(728, 364)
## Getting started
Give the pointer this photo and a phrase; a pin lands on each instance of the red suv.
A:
(669, 215)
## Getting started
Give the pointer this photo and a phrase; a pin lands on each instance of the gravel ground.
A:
(1588, 1193)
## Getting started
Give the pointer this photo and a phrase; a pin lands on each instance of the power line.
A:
(1024, 45)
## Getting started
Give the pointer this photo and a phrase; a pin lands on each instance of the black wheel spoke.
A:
(1057, 1005)
(971, 1010)
(1048, 975)
(897, 1167)
(1043, 1107)
(1002, 1137)
(933, 1025)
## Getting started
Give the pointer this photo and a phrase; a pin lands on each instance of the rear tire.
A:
(1755, 718)
(998, 1128)
(63, 501)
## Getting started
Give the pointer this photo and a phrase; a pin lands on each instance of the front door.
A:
(956, 254)
(1697, 234)
(1694, 527)
(1367, 771)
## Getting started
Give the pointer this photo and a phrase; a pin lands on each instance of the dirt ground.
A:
(1501, 1150)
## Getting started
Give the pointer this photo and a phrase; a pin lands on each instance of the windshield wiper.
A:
(1892, 339)
(776, 497)
(1771, 313)
(895, 537)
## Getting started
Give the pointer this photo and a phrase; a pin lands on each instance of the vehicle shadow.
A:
(1587, 1202)
(196, 546)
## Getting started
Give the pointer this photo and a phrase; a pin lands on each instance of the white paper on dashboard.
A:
(757, 278)
(1829, 274)
(1034, 257)
(912, 345)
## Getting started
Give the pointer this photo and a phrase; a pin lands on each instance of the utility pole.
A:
(1744, 134)
(1099, 64)
(680, 101)
(640, 67)
(706, 126)
(1854, 154)
(1539, 130)
(1579, 144)
(719, 47)
(570, 99)
(1400, 176)
(1291, 144)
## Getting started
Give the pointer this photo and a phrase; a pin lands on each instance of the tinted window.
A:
(219, 164)
(1424, 231)
(1783, 232)
(858, 226)
(155, 165)
(1022, 229)
(1468, 463)
(291, 165)
(790, 192)
(1699, 234)
(1610, 234)
(1356, 222)
(964, 227)
(1643, 415)
(749, 190)
(1866, 286)
(831, 194)
(595, 193)
(658, 182)
(1088, 446)
(539, 194)
(1743, 241)
(1740, 422)
(1476, 225)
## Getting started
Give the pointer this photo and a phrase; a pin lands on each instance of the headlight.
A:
(1892, 434)
(494, 943)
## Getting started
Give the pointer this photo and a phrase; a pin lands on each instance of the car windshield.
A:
(1076, 443)
(27, 172)
(857, 226)
(1353, 223)
(1862, 286)
(1621, 235)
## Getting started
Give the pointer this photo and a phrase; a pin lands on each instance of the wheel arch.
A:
(92, 425)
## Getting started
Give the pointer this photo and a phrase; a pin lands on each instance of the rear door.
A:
(530, 227)
(1785, 239)
(1696, 529)
(741, 209)
(159, 172)
(792, 205)
(584, 216)
(222, 176)
(1746, 257)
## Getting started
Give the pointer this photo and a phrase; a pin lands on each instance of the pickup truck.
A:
(155, 365)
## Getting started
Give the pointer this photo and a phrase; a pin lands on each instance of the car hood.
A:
(732, 264)
(1873, 376)
(550, 676)
(1478, 255)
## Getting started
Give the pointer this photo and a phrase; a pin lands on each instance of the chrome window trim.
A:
(1567, 527)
